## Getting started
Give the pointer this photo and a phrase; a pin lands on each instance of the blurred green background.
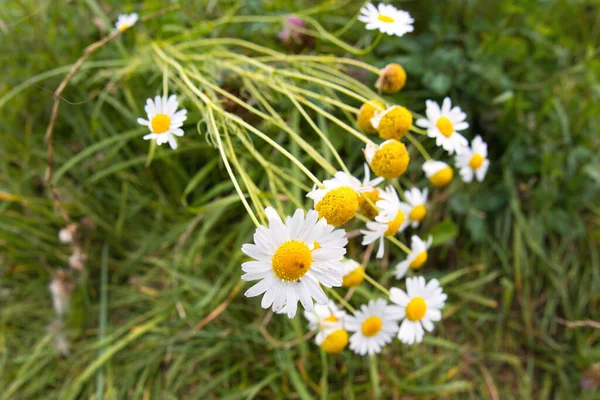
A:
(163, 241)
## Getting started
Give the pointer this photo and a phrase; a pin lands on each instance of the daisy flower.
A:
(438, 172)
(374, 325)
(338, 200)
(420, 307)
(416, 258)
(443, 124)
(387, 19)
(366, 112)
(353, 273)
(389, 160)
(328, 321)
(393, 123)
(391, 78)
(416, 199)
(126, 21)
(164, 120)
(472, 161)
(392, 218)
(292, 260)
(369, 192)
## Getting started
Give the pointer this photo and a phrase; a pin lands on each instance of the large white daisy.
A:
(324, 319)
(387, 19)
(164, 120)
(420, 307)
(473, 161)
(392, 218)
(416, 199)
(416, 258)
(293, 260)
(443, 124)
(126, 21)
(374, 326)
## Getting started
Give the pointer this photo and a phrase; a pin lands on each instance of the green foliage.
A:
(519, 252)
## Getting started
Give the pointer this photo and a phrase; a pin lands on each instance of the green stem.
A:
(376, 284)
(341, 300)
(419, 146)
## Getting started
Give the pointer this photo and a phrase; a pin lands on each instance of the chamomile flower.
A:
(353, 273)
(338, 200)
(374, 326)
(443, 124)
(369, 194)
(391, 79)
(325, 319)
(392, 218)
(387, 19)
(416, 199)
(420, 307)
(164, 120)
(393, 123)
(126, 21)
(438, 172)
(416, 258)
(389, 160)
(292, 260)
(366, 112)
(472, 161)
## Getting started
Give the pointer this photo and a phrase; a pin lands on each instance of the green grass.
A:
(164, 239)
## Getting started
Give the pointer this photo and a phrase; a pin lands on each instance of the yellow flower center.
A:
(416, 309)
(335, 342)
(124, 27)
(391, 79)
(418, 261)
(371, 326)
(338, 206)
(395, 123)
(331, 318)
(160, 123)
(367, 209)
(417, 213)
(291, 260)
(395, 224)
(442, 177)
(476, 161)
(355, 277)
(391, 160)
(366, 112)
(445, 126)
(385, 18)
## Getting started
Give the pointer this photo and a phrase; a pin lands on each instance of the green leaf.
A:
(443, 232)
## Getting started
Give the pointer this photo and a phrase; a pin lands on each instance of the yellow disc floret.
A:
(391, 79)
(335, 342)
(418, 261)
(355, 277)
(366, 112)
(442, 177)
(371, 326)
(331, 318)
(367, 208)
(395, 123)
(385, 18)
(445, 126)
(160, 123)
(395, 224)
(416, 309)
(417, 213)
(476, 161)
(391, 160)
(338, 206)
(291, 260)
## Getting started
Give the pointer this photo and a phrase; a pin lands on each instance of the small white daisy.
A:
(374, 326)
(387, 19)
(416, 258)
(164, 120)
(438, 172)
(325, 318)
(353, 273)
(473, 161)
(392, 218)
(443, 124)
(292, 260)
(126, 21)
(420, 307)
(416, 199)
